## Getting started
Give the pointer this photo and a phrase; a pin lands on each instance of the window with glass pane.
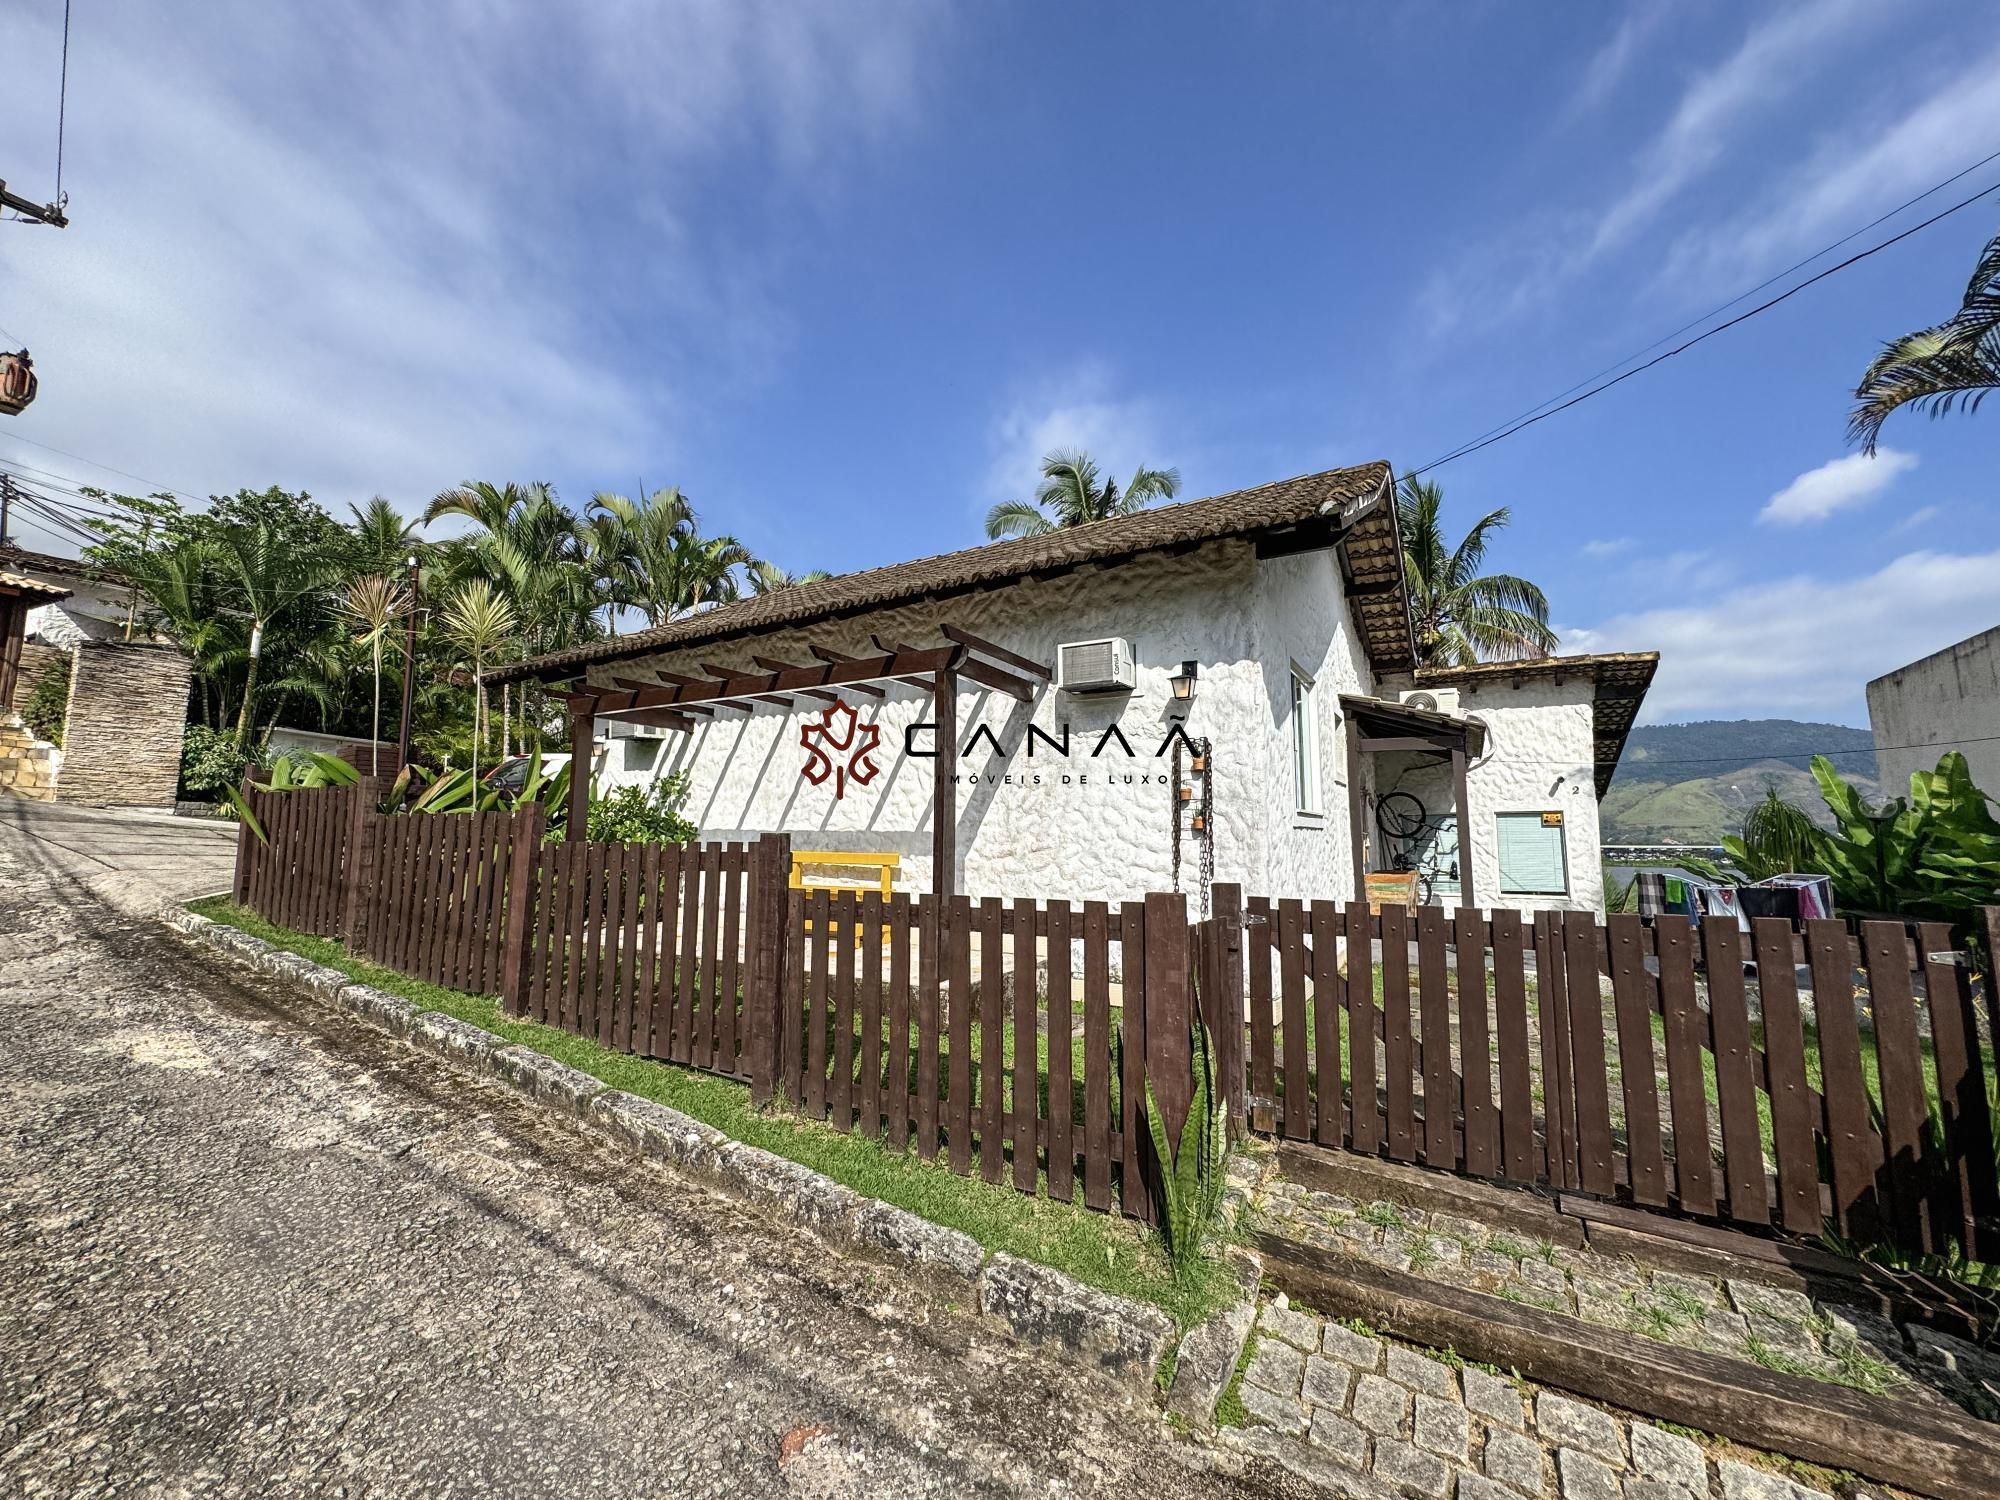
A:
(1532, 859)
(1305, 744)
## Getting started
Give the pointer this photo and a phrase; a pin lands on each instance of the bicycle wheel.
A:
(1400, 815)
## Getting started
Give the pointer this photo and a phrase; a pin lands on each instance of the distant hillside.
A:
(1692, 783)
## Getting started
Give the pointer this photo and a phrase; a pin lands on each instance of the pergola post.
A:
(944, 796)
(1357, 811)
(1461, 799)
(582, 726)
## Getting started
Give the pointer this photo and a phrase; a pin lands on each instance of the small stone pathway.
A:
(1777, 1328)
(1333, 1404)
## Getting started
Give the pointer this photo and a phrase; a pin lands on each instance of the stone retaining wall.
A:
(127, 715)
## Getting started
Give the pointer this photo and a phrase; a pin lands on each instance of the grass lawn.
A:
(1102, 1250)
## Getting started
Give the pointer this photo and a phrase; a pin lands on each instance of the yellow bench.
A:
(853, 864)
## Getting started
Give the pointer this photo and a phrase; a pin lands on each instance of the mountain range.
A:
(1692, 783)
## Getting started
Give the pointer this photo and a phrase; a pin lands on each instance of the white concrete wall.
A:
(1078, 828)
(1949, 700)
(1539, 758)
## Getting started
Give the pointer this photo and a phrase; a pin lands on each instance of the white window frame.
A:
(1308, 797)
(1562, 839)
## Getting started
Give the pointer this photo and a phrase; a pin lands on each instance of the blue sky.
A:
(843, 272)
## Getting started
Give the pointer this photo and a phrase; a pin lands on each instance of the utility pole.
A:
(410, 657)
(42, 213)
(6, 507)
(132, 603)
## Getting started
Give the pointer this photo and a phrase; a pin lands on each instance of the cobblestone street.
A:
(253, 1249)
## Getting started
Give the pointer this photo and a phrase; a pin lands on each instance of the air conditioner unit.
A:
(1095, 666)
(1437, 700)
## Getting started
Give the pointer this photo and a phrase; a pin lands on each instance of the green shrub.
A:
(643, 815)
(211, 762)
(48, 703)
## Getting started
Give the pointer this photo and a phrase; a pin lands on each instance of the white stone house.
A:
(1289, 604)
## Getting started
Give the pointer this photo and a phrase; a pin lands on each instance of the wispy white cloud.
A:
(1608, 546)
(1516, 271)
(1803, 646)
(1923, 515)
(311, 248)
(1610, 64)
(1081, 408)
(1836, 485)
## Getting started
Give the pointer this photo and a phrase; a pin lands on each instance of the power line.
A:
(62, 104)
(158, 485)
(1714, 312)
(1743, 317)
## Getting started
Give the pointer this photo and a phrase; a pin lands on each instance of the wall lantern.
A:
(1182, 682)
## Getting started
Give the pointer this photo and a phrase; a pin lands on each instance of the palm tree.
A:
(373, 604)
(479, 621)
(768, 578)
(1955, 363)
(382, 539)
(1073, 494)
(1461, 615)
(267, 578)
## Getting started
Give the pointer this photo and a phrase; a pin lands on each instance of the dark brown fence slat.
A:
(1258, 934)
(1062, 1146)
(646, 993)
(1852, 1144)
(1096, 1056)
(729, 1001)
(933, 931)
(992, 1054)
(1298, 1113)
(1735, 1074)
(793, 1067)
(631, 881)
(871, 1051)
(1398, 1064)
(1132, 1073)
(1558, 1103)
(1510, 1012)
(462, 869)
(1632, 995)
(958, 1096)
(1686, 1027)
(1475, 1044)
(1784, 1050)
(842, 1007)
(575, 936)
(541, 935)
(1912, 1170)
(1434, 1008)
(1027, 1073)
(818, 1024)
(1364, 1113)
(896, 1094)
(707, 999)
(1595, 1162)
(1328, 1000)
(1968, 1185)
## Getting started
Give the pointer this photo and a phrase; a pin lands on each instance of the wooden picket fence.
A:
(1018, 1039)
(1489, 1047)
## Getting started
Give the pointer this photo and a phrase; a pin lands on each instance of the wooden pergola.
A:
(1378, 727)
(673, 700)
(18, 595)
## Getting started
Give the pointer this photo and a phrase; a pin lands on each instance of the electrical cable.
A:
(1596, 390)
(1771, 280)
(62, 105)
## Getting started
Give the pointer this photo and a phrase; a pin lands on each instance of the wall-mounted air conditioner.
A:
(1095, 666)
(1437, 700)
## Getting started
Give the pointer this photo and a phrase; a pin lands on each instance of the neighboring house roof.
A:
(1349, 506)
(20, 559)
(1621, 680)
(31, 588)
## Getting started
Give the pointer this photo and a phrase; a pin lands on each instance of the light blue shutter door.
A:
(1531, 855)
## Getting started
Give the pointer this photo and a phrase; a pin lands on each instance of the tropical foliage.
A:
(1952, 365)
(295, 617)
(1191, 1173)
(1073, 493)
(1462, 615)
(643, 815)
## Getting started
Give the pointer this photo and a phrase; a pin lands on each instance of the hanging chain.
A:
(1176, 795)
(1207, 822)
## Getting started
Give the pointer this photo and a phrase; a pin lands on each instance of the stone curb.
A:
(1037, 1304)
(1209, 1353)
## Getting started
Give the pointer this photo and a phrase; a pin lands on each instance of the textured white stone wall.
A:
(1538, 758)
(1105, 832)
(1949, 700)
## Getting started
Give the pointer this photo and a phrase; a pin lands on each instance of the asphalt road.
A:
(250, 1248)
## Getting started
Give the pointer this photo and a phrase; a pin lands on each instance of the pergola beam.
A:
(998, 653)
(836, 658)
(922, 664)
(978, 671)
